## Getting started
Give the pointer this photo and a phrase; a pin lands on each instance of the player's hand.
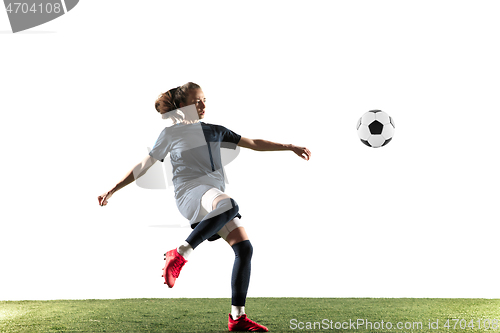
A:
(302, 152)
(103, 199)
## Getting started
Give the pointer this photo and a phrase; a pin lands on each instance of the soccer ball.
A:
(375, 128)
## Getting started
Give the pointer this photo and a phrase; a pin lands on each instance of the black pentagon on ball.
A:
(376, 127)
(366, 142)
(375, 111)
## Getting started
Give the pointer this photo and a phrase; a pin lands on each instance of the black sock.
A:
(225, 211)
(241, 272)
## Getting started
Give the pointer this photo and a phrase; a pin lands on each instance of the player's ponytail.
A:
(172, 99)
(165, 102)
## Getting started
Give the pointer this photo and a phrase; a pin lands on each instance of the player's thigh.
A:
(219, 198)
(237, 235)
(211, 198)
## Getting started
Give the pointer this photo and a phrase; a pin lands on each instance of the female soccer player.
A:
(199, 184)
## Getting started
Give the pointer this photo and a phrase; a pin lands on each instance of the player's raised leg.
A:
(224, 210)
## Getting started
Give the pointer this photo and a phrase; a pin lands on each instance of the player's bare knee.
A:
(237, 235)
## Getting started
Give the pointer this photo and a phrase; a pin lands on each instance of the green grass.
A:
(210, 315)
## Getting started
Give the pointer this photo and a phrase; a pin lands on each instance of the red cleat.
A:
(243, 324)
(173, 265)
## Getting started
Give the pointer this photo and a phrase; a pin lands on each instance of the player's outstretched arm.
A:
(264, 145)
(134, 173)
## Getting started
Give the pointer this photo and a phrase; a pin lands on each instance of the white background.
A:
(417, 218)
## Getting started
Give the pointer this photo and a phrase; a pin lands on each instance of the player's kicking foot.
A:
(243, 324)
(173, 265)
